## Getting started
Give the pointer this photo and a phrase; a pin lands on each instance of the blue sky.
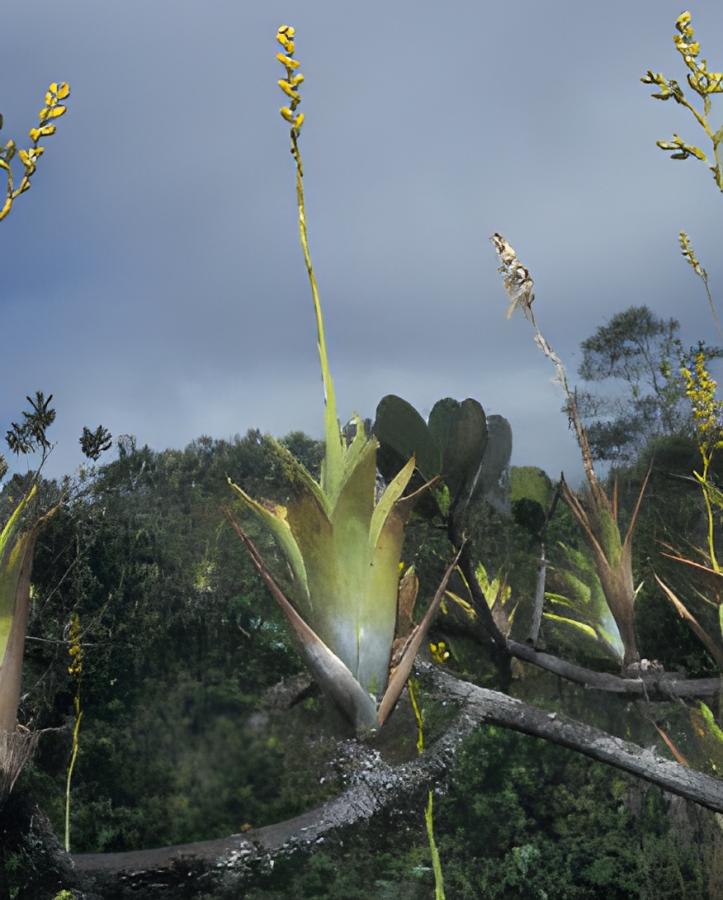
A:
(152, 278)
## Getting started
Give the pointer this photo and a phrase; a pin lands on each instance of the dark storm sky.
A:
(152, 278)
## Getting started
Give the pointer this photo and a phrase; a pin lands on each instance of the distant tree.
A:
(642, 353)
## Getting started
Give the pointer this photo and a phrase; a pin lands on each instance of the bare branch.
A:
(378, 787)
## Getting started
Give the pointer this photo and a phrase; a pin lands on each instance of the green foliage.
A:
(527, 819)
(469, 450)
(531, 494)
(184, 641)
(640, 352)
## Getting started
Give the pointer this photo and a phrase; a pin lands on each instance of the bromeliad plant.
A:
(20, 533)
(594, 511)
(342, 546)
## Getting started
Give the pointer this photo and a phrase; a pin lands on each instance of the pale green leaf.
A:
(280, 530)
(581, 626)
(391, 495)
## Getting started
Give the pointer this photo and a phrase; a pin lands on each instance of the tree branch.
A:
(653, 686)
(377, 787)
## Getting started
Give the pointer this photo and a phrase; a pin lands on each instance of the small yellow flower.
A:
(299, 121)
(287, 114)
(29, 157)
(439, 652)
(288, 61)
(44, 131)
(289, 90)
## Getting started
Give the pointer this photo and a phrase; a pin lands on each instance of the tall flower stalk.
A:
(75, 670)
(594, 511)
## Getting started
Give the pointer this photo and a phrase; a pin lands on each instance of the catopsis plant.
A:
(595, 512)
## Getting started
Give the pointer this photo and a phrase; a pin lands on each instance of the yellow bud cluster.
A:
(75, 649)
(684, 26)
(681, 149)
(439, 652)
(686, 248)
(700, 389)
(290, 84)
(53, 109)
(700, 79)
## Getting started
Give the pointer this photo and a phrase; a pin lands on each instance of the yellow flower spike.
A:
(686, 248)
(288, 61)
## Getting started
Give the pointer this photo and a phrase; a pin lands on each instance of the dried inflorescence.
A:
(517, 279)
(595, 512)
